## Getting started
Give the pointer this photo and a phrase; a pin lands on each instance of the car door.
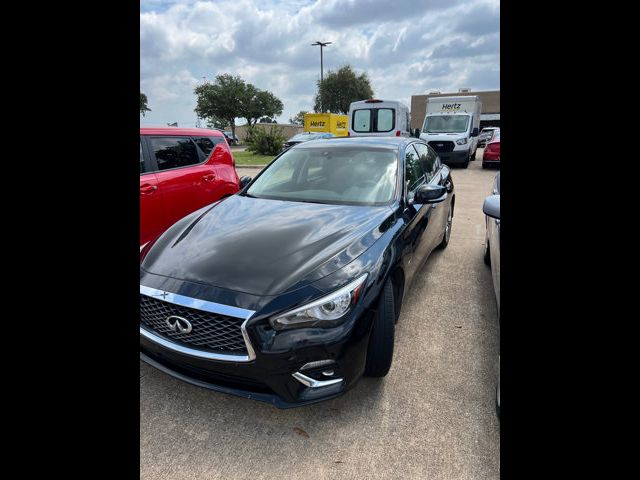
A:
(417, 234)
(181, 174)
(152, 220)
(438, 212)
(441, 176)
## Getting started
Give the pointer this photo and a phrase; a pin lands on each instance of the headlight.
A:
(461, 141)
(324, 311)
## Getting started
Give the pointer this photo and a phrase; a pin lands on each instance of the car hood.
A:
(265, 247)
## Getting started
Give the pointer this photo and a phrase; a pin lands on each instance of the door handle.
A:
(209, 178)
(148, 189)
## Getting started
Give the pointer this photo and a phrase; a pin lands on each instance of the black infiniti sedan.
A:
(288, 292)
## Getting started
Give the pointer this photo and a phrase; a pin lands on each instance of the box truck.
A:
(451, 126)
(326, 123)
(379, 118)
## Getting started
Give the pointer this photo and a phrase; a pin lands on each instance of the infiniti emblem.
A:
(179, 324)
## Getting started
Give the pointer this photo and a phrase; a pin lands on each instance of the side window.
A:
(385, 119)
(174, 152)
(142, 169)
(362, 121)
(207, 144)
(414, 173)
(426, 160)
(436, 160)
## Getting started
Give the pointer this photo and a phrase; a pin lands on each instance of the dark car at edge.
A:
(305, 137)
(289, 291)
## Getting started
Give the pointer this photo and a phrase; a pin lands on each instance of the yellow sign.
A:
(327, 122)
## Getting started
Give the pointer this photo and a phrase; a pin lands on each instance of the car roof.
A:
(178, 131)
(380, 142)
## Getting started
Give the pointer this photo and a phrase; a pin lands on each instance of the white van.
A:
(451, 126)
(379, 118)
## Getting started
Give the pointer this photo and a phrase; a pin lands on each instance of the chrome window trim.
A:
(206, 306)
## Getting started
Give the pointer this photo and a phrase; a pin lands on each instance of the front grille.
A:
(444, 146)
(210, 331)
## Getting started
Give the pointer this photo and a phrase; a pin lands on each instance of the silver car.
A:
(491, 209)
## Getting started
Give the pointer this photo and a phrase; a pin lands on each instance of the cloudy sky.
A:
(406, 48)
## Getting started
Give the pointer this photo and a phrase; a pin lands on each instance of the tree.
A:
(298, 119)
(267, 120)
(143, 104)
(222, 100)
(215, 122)
(259, 104)
(340, 88)
(230, 97)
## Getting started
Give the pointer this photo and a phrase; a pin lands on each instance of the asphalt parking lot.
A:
(432, 417)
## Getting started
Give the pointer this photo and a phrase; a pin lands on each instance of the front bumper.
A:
(455, 157)
(269, 377)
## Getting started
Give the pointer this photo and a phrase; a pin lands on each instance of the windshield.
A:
(343, 175)
(446, 124)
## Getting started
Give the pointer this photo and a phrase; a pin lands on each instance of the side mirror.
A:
(244, 181)
(474, 133)
(446, 177)
(416, 133)
(491, 206)
(430, 194)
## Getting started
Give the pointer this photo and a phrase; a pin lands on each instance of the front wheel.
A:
(447, 229)
(466, 162)
(473, 157)
(380, 352)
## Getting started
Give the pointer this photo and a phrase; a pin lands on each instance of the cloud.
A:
(468, 47)
(406, 48)
(347, 13)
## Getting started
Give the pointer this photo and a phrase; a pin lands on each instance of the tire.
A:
(447, 230)
(484, 165)
(487, 252)
(466, 162)
(380, 351)
(473, 157)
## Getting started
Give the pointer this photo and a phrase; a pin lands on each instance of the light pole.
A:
(321, 45)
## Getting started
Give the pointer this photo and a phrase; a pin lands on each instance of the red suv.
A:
(181, 170)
